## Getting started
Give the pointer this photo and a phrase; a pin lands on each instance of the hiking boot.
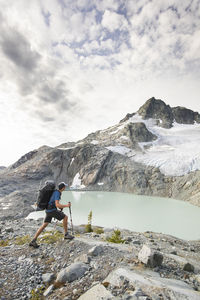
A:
(34, 244)
(68, 236)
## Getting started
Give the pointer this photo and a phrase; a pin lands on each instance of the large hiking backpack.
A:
(45, 194)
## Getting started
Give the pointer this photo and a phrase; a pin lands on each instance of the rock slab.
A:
(97, 292)
(150, 257)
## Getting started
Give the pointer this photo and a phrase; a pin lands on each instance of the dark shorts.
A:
(57, 214)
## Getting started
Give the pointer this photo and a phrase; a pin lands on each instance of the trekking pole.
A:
(70, 212)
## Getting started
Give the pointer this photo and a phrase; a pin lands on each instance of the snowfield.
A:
(176, 151)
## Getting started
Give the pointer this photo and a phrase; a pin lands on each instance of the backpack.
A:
(45, 194)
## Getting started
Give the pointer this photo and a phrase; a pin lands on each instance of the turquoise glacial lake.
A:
(134, 212)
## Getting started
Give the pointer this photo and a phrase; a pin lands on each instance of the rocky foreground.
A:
(146, 266)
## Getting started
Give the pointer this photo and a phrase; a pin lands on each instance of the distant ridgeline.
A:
(154, 151)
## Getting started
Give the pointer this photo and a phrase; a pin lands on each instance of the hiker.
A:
(53, 212)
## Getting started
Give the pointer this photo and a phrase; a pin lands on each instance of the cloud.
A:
(113, 21)
(19, 51)
(35, 75)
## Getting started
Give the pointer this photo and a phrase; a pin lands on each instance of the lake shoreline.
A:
(134, 212)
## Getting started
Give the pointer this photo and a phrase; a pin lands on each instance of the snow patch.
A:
(124, 137)
(94, 142)
(72, 161)
(76, 184)
(63, 148)
(121, 150)
(113, 132)
(100, 183)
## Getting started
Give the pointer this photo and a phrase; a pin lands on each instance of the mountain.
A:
(154, 151)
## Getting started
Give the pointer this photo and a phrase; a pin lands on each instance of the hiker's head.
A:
(62, 186)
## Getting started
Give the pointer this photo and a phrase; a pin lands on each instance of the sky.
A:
(71, 67)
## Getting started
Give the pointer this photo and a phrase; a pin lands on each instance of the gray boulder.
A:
(95, 251)
(150, 257)
(84, 258)
(71, 273)
(48, 277)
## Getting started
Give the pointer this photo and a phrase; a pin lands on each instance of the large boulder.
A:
(95, 251)
(152, 284)
(71, 273)
(150, 257)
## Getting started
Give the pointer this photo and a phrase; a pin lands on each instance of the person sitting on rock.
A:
(53, 212)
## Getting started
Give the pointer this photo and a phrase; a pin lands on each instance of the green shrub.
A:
(115, 237)
(88, 227)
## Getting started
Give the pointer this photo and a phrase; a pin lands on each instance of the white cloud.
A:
(113, 21)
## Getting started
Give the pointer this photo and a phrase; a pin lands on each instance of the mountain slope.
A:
(149, 152)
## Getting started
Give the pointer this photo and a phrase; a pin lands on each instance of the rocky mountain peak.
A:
(157, 109)
(185, 116)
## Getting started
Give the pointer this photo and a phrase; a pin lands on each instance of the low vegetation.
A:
(22, 240)
(37, 294)
(115, 237)
(98, 230)
(4, 243)
(88, 227)
(51, 237)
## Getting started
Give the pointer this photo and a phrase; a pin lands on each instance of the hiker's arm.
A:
(58, 205)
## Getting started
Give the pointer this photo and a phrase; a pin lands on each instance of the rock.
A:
(136, 242)
(9, 229)
(97, 292)
(138, 132)
(48, 277)
(185, 116)
(188, 267)
(152, 284)
(84, 258)
(71, 273)
(95, 251)
(49, 290)
(150, 257)
(197, 277)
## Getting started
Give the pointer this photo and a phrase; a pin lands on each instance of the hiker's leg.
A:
(65, 222)
(44, 225)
